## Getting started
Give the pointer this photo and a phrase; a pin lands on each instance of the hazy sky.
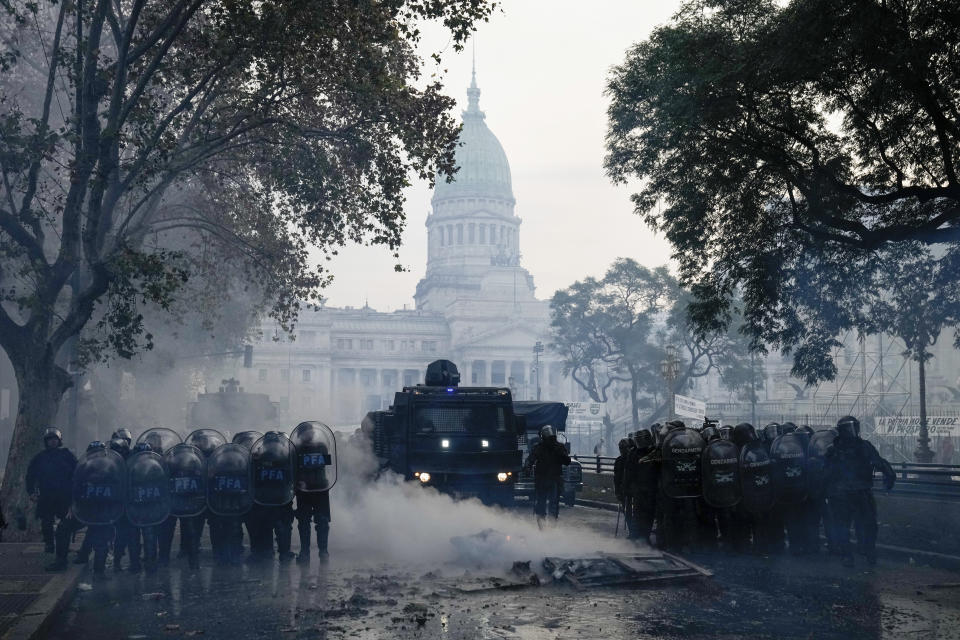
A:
(542, 67)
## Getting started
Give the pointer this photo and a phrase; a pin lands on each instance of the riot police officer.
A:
(547, 460)
(316, 473)
(48, 483)
(769, 531)
(641, 485)
(97, 503)
(848, 469)
(625, 445)
(272, 459)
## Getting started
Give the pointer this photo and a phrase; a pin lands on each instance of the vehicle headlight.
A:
(445, 443)
(424, 477)
(502, 477)
(485, 444)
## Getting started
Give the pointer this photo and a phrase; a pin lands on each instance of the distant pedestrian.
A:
(597, 452)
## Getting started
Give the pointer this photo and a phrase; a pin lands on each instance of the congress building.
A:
(476, 306)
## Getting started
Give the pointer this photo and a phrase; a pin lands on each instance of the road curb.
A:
(930, 558)
(597, 504)
(53, 598)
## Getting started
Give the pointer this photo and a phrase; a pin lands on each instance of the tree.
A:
(268, 127)
(782, 147)
(600, 327)
(614, 331)
(917, 298)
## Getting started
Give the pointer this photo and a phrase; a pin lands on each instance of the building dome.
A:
(484, 170)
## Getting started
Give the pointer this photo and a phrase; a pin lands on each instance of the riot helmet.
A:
(771, 431)
(121, 446)
(624, 446)
(726, 432)
(787, 427)
(96, 445)
(675, 424)
(247, 438)
(160, 439)
(710, 433)
(805, 429)
(848, 427)
(744, 433)
(142, 446)
(206, 440)
(124, 434)
(643, 440)
(547, 432)
(657, 430)
(53, 433)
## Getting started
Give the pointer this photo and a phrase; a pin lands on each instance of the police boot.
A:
(323, 533)
(99, 562)
(283, 546)
(304, 531)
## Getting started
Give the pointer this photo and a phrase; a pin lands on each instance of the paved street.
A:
(747, 597)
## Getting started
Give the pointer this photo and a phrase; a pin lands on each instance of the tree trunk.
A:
(923, 452)
(41, 385)
(608, 427)
(634, 401)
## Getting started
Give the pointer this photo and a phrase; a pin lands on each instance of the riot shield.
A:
(820, 441)
(228, 480)
(160, 439)
(206, 440)
(680, 465)
(316, 468)
(789, 458)
(756, 478)
(720, 469)
(99, 487)
(187, 473)
(272, 458)
(148, 489)
(247, 438)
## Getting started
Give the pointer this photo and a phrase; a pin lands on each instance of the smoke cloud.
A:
(389, 521)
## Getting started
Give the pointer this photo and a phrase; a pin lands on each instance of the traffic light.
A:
(247, 356)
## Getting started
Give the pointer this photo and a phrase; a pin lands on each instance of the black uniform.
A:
(642, 485)
(849, 466)
(547, 460)
(313, 506)
(50, 473)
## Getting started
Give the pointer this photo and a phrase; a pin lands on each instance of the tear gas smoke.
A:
(388, 520)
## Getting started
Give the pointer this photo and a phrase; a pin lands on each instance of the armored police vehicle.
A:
(461, 440)
(231, 407)
(532, 416)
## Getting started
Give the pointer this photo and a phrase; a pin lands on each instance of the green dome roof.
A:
(484, 170)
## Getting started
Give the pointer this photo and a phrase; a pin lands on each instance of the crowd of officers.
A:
(746, 490)
(131, 495)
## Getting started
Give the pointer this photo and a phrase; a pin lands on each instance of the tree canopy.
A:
(613, 332)
(787, 149)
(146, 142)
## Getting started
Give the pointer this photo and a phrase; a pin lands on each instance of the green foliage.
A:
(150, 152)
(615, 330)
(786, 150)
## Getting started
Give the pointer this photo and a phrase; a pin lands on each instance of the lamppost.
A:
(537, 350)
(670, 369)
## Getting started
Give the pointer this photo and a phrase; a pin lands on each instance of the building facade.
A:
(476, 306)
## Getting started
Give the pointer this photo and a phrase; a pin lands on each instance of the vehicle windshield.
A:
(460, 419)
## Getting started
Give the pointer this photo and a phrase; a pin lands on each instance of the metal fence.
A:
(913, 478)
